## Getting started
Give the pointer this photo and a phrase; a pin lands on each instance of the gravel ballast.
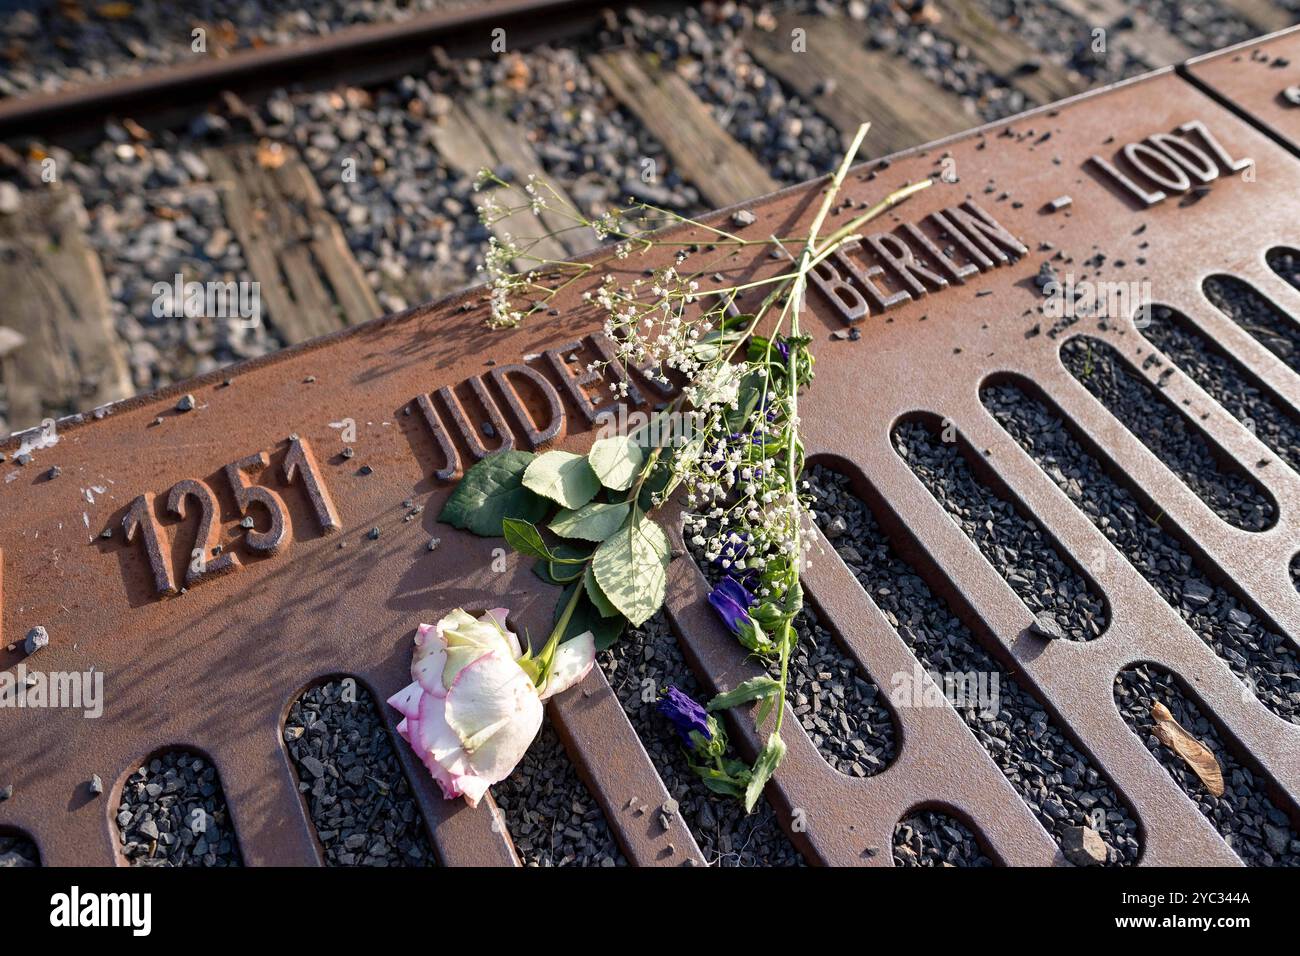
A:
(841, 709)
(1054, 778)
(705, 46)
(586, 142)
(49, 46)
(1286, 263)
(173, 813)
(409, 220)
(1265, 322)
(1227, 381)
(357, 796)
(844, 714)
(155, 212)
(1168, 433)
(1062, 602)
(642, 664)
(552, 818)
(930, 838)
(1257, 654)
(17, 851)
(1250, 823)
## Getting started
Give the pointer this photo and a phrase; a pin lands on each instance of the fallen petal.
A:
(573, 661)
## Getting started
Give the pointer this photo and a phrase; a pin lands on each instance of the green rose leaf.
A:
(631, 567)
(764, 767)
(492, 490)
(563, 477)
(603, 604)
(605, 630)
(616, 461)
(592, 522)
(756, 688)
(524, 537)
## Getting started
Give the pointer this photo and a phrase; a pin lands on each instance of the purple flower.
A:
(685, 714)
(732, 602)
(784, 349)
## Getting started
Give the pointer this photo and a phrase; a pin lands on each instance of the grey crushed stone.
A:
(357, 795)
(930, 838)
(17, 850)
(1015, 545)
(1168, 432)
(1247, 819)
(1230, 384)
(173, 813)
(641, 665)
(1056, 780)
(551, 816)
(1264, 321)
(1263, 658)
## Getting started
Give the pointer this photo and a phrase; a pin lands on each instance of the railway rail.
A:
(1129, 484)
(351, 195)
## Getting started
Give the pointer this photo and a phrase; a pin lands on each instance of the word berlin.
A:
(913, 263)
(527, 403)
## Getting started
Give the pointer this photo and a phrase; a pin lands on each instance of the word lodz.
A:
(914, 261)
(1171, 161)
(468, 411)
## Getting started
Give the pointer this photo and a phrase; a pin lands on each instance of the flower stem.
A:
(546, 656)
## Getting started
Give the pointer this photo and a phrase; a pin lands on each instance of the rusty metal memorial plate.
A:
(1260, 78)
(1148, 182)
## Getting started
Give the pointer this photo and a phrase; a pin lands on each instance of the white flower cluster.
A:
(743, 513)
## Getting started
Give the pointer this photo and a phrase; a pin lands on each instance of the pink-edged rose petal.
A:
(467, 640)
(429, 660)
(573, 661)
(407, 700)
(494, 709)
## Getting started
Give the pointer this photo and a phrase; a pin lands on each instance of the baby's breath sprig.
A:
(728, 446)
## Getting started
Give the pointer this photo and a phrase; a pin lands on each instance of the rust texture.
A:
(1261, 79)
(215, 667)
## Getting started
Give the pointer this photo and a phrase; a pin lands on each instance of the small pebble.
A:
(37, 638)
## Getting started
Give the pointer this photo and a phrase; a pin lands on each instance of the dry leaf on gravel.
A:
(115, 11)
(1195, 753)
(271, 155)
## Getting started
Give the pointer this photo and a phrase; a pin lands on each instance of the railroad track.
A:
(372, 210)
(1169, 563)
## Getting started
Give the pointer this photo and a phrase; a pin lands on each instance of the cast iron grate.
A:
(1169, 523)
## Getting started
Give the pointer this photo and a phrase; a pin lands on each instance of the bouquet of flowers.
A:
(727, 447)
